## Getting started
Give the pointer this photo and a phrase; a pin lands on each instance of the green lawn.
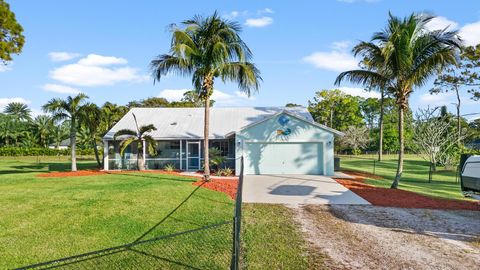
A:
(414, 178)
(272, 240)
(47, 218)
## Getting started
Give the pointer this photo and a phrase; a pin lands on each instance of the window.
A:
(222, 145)
(168, 149)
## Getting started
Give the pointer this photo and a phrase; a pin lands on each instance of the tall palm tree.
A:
(140, 138)
(18, 110)
(43, 126)
(68, 109)
(207, 48)
(409, 55)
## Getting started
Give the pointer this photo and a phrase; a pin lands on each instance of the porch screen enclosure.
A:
(184, 155)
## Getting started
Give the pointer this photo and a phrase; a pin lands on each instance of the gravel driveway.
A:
(373, 237)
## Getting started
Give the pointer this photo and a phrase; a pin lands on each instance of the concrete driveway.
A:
(297, 189)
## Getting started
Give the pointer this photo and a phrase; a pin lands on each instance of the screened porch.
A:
(185, 155)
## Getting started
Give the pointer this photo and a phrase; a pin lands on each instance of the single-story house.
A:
(64, 144)
(272, 140)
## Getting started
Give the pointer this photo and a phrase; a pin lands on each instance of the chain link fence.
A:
(414, 167)
(212, 246)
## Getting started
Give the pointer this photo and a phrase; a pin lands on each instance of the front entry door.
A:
(193, 156)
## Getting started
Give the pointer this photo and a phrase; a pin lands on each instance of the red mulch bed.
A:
(69, 174)
(402, 198)
(227, 186)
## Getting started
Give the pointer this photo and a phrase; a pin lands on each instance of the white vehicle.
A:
(470, 176)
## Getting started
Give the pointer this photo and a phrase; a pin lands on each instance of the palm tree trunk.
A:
(401, 147)
(206, 132)
(380, 126)
(95, 150)
(73, 144)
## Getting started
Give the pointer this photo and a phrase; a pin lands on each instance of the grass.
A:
(48, 218)
(272, 239)
(414, 178)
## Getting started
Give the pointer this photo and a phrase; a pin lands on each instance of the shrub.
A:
(169, 167)
(224, 172)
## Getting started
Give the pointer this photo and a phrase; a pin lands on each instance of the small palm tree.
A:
(19, 111)
(43, 126)
(7, 130)
(205, 49)
(403, 56)
(68, 109)
(140, 138)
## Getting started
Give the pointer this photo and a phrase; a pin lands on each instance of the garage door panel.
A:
(284, 158)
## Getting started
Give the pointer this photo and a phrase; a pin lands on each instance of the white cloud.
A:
(470, 33)
(234, 14)
(61, 89)
(338, 59)
(359, 92)
(93, 71)
(221, 98)
(437, 100)
(100, 60)
(266, 10)
(4, 68)
(4, 101)
(440, 23)
(173, 94)
(341, 45)
(259, 22)
(62, 56)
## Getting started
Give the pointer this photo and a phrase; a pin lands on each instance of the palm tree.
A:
(68, 109)
(19, 111)
(29, 140)
(205, 49)
(140, 138)
(409, 55)
(90, 118)
(7, 130)
(43, 126)
(60, 133)
(110, 115)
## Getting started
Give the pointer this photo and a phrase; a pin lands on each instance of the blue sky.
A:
(103, 48)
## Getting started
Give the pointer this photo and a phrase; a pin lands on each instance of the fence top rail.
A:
(353, 156)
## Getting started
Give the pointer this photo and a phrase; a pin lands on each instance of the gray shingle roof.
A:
(188, 122)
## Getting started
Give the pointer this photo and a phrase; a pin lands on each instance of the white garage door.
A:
(284, 158)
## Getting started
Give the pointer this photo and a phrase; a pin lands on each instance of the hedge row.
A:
(17, 151)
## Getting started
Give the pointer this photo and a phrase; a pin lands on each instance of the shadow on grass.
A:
(181, 249)
(67, 166)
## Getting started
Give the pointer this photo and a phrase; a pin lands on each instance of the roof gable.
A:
(331, 130)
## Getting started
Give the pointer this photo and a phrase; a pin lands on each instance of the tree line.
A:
(359, 119)
(75, 119)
